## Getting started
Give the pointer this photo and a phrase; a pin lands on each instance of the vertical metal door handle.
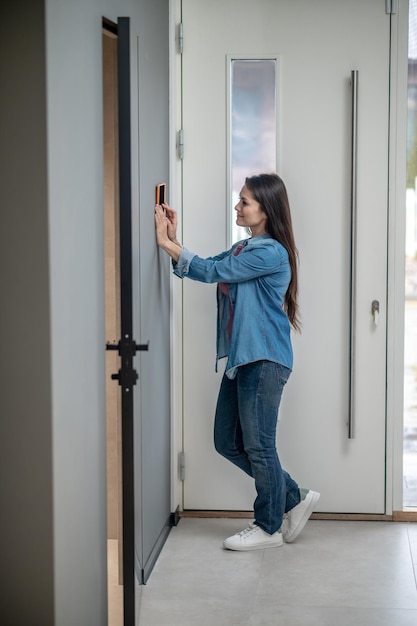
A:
(353, 253)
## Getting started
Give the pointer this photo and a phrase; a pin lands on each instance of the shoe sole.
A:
(244, 548)
(303, 521)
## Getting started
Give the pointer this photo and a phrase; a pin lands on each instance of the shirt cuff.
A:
(182, 266)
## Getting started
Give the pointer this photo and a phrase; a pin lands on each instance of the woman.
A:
(257, 304)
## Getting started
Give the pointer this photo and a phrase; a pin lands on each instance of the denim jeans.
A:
(245, 434)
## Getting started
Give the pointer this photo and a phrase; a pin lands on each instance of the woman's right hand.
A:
(165, 229)
(171, 216)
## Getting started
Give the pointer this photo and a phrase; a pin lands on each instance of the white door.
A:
(317, 44)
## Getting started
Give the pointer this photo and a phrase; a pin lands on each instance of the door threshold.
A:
(216, 514)
(408, 515)
(354, 517)
(397, 516)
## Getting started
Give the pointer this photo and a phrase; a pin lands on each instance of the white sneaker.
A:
(298, 516)
(253, 538)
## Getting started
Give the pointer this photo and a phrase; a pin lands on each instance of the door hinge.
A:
(391, 7)
(180, 38)
(181, 143)
(181, 465)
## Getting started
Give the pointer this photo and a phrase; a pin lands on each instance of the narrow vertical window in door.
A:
(253, 125)
(410, 343)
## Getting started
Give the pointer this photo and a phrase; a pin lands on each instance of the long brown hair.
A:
(269, 190)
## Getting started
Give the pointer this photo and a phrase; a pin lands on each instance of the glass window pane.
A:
(410, 313)
(253, 124)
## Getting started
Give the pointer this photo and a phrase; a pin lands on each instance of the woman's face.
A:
(250, 214)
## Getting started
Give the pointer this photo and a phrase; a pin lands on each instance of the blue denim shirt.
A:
(258, 280)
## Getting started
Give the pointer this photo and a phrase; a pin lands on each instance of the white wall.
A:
(75, 177)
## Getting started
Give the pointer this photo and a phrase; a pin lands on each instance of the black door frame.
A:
(126, 347)
(127, 375)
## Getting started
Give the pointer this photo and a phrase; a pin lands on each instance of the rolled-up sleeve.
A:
(254, 261)
(182, 267)
(251, 263)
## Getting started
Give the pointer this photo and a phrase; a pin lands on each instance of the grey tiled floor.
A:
(337, 573)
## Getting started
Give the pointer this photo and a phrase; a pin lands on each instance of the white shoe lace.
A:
(252, 528)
